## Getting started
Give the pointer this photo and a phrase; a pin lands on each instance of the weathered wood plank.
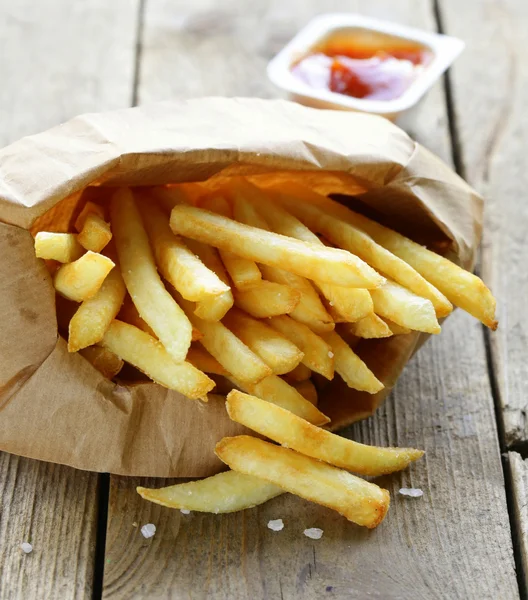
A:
(519, 474)
(490, 94)
(57, 59)
(452, 543)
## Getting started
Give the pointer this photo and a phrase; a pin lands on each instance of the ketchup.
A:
(367, 65)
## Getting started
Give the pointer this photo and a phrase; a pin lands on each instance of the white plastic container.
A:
(444, 49)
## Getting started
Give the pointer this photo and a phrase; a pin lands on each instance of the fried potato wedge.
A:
(154, 303)
(357, 500)
(294, 432)
(318, 354)
(350, 367)
(274, 349)
(149, 356)
(62, 247)
(201, 359)
(267, 299)
(181, 267)
(234, 356)
(369, 327)
(95, 234)
(212, 309)
(223, 493)
(355, 240)
(307, 389)
(394, 302)
(90, 208)
(82, 279)
(106, 362)
(460, 287)
(93, 317)
(275, 390)
(308, 260)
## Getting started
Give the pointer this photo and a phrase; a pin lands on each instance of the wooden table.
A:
(462, 399)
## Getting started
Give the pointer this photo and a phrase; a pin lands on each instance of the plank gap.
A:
(456, 147)
(138, 52)
(103, 496)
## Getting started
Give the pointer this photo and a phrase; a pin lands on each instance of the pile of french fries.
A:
(260, 288)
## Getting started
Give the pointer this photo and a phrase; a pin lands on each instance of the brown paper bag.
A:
(54, 405)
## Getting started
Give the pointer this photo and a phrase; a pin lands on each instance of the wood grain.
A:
(519, 473)
(490, 94)
(57, 59)
(455, 541)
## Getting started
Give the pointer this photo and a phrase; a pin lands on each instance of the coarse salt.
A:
(411, 492)
(276, 524)
(26, 547)
(330, 355)
(185, 511)
(148, 530)
(313, 533)
(331, 303)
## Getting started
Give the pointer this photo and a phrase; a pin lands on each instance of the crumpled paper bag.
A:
(55, 406)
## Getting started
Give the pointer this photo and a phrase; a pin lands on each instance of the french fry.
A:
(369, 327)
(308, 260)
(106, 362)
(460, 287)
(275, 390)
(244, 272)
(154, 303)
(300, 373)
(351, 304)
(394, 302)
(202, 360)
(347, 304)
(310, 309)
(307, 389)
(349, 237)
(222, 493)
(234, 356)
(350, 367)
(62, 247)
(212, 309)
(397, 329)
(294, 432)
(149, 356)
(267, 299)
(93, 317)
(273, 348)
(81, 279)
(318, 355)
(358, 500)
(178, 265)
(95, 233)
(90, 208)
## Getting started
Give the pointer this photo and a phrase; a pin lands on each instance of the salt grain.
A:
(134, 524)
(412, 492)
(26, 547)
(276, 524)
(314, 533)
(148, 530)
(331, 303)
(330, 355)
(185, 511)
